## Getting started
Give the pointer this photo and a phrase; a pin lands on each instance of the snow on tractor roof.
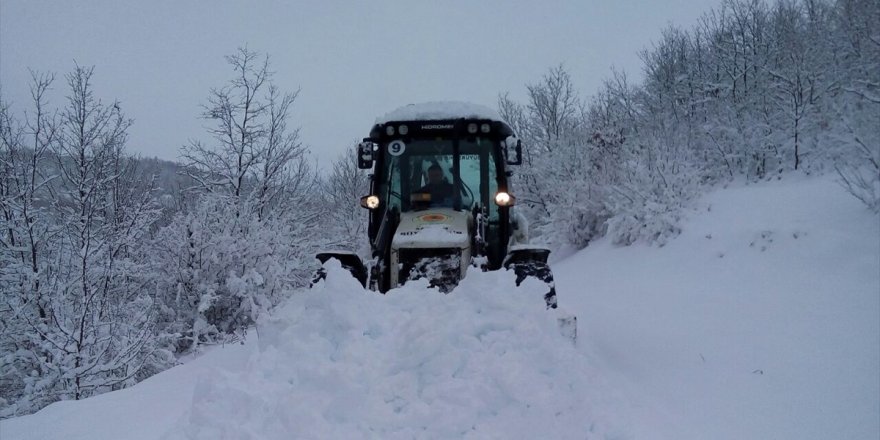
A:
(439, 110)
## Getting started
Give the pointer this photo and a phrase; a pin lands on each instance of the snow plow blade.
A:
(531, 262)
(349, 260)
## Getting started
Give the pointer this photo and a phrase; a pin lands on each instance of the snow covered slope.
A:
(762, 320)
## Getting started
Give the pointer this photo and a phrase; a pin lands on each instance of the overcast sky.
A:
(353, 61)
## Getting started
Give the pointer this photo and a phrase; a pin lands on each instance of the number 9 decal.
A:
(396, 148)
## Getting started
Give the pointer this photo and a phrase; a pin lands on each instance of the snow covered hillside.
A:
(762, 320)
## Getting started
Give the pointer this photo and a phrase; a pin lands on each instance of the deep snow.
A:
(762, 320)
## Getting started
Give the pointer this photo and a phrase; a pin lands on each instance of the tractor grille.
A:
(442, 267)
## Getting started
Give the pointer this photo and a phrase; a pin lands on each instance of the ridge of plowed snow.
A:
(336, 362)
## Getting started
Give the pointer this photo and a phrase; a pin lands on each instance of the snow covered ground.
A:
(762, 320)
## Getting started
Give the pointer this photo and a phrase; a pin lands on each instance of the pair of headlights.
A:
(501, 199)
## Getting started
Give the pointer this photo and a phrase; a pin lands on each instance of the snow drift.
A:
(336, 362)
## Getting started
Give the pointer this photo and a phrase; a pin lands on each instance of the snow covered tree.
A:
(343, 189)
(253, 153)
(856, 114)
(77, 303)
(551, 125)
(103, 320)
(25, 303)
(282, 152)
(248, 238)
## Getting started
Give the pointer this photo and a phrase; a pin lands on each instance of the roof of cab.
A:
(439, 110)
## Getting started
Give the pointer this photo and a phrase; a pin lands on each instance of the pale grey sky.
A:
(353, 60)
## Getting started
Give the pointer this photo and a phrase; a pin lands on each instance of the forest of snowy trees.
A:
(754, 92)
(113, 267)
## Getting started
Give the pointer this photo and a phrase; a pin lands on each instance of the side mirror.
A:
(513, 143)
(365, 154)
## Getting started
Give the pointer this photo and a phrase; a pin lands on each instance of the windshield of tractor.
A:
(420, 174)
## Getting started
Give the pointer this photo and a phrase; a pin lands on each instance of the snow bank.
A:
(439, 110)
(141, 412)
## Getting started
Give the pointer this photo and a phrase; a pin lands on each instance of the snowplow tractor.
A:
(441, 202)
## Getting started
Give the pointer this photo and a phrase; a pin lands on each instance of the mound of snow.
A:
(336, 362)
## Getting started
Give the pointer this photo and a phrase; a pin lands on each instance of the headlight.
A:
(370, 202)
(504, 199)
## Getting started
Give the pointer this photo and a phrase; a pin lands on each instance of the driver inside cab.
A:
(438, 188)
